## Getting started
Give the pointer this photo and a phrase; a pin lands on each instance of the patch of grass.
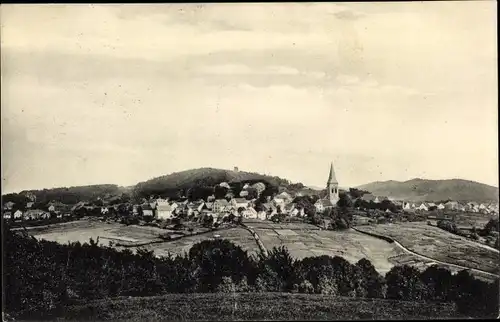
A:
(439, 244)
(255, 306)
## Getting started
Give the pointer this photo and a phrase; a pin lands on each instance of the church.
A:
(332, 193)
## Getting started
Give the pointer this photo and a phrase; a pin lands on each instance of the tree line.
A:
(41, 278)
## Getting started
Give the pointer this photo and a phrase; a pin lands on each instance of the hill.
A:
(68, 195)
(203, 177)
(255, 306)
(433, 190)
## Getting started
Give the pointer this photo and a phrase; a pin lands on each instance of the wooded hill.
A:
(434, 190)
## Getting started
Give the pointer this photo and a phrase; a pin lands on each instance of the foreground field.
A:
(304, 240)
(238, 236)
(255, 306)
(83, 230)
(440, 245)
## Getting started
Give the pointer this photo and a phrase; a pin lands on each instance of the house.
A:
(243, 193)
(262, 215)
(279, 202)
(451, 205)
(147, 210)
(29, 205)
(422, 207)
(18, 214)
(270, 209)
(249, 213)
(104, 210)
(284, 195)
(7, 215)
(164, 210)
(431, 204)
(406, 206)
(323, 204)
(440, 206)
(239, 203)
(288, 208)
(35, 214)
(220, 205)
(209, 205)
(296, 212)
(196, 206)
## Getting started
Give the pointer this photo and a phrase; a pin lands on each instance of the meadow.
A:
(123, 236)
(439, 244)
(237, 235)
(255, 306)
(305, 240)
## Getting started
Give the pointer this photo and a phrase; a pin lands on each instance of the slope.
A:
(434, 190)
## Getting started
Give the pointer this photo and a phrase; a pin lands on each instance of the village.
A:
(249, 204)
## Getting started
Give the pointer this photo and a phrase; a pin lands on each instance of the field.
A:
(83, 230)
(439, 244)
(304, 240)
(238, 236)
(255, 306)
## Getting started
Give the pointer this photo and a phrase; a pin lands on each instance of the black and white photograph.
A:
(250, 161)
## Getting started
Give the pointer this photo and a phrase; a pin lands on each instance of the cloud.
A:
(348, 15)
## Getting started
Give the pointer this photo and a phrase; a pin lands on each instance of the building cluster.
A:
(474, 207)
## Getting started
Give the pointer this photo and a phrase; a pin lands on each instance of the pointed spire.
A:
(332, 178)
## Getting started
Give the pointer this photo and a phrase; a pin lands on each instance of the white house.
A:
(18, 214)
(164, 210)
(406, 206)
(239, 203)
(422, 207)
(440, 206)
(7, 215)
(284, 195)
(262, 215)
(220, 205)
(249, 213)
(323, 204)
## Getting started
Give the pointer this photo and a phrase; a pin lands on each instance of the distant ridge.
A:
(434, 190)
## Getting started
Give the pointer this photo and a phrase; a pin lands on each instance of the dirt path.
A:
(435, 260)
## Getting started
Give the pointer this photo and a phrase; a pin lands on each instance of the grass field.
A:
(238, 236)
(255, 306)
(439, 244)
(83, 230)
(304, 240)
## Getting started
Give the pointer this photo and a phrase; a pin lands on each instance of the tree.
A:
(277, 270)
(491, 225)
(439, 283)
(214, 259)
(344, 201)
(372, 282)
(356, 193)
(403, 283)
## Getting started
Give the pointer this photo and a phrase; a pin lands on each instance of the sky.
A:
(120, 94)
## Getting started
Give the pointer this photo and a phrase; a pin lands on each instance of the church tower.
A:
(332, 187)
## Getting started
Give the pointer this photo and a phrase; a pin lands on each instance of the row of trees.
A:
(41, 278)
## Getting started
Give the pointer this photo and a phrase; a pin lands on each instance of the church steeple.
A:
(332, 186)
(332, 178)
